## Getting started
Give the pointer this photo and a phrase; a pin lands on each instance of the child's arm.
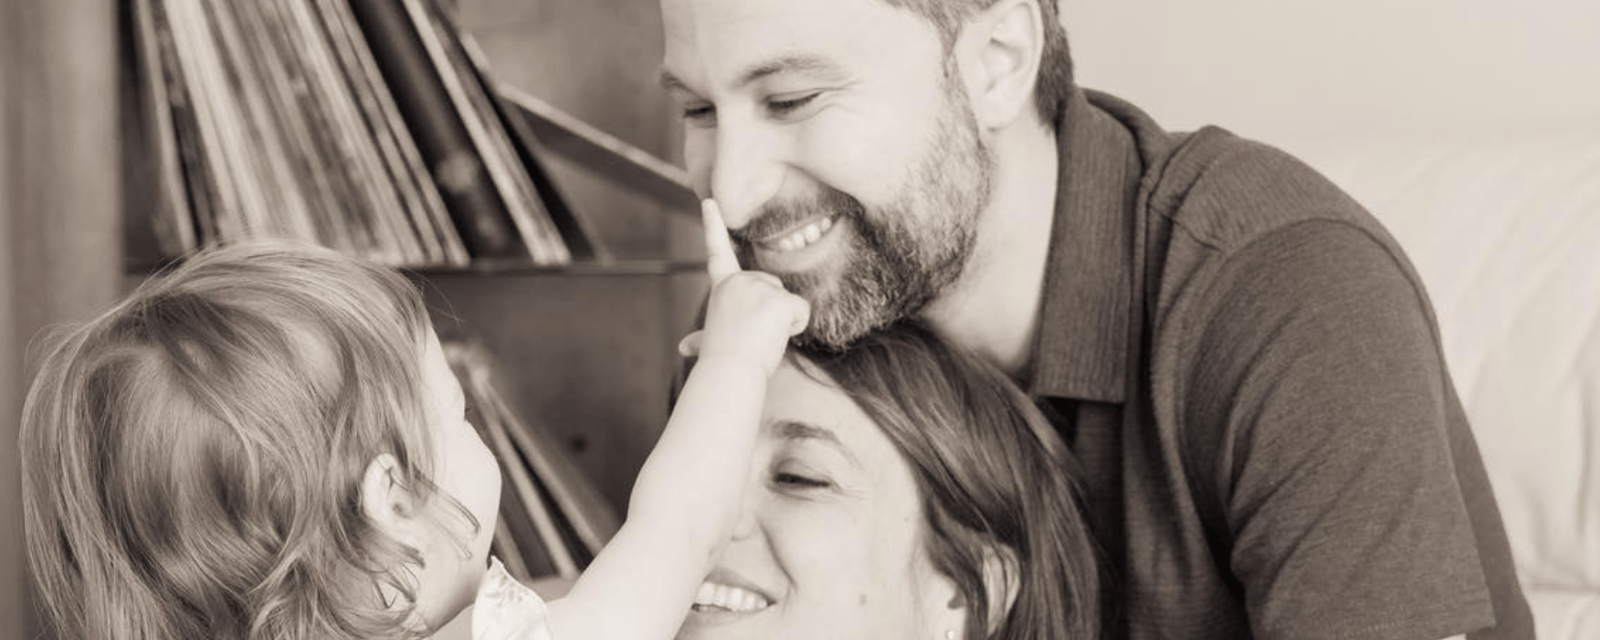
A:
(688, 496)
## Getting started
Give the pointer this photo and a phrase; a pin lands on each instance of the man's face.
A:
(839, 145)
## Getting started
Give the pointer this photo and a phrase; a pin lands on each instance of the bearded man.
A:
(1240, 357)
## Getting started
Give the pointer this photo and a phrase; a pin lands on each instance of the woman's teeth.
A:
(721, 596)
(804, 236)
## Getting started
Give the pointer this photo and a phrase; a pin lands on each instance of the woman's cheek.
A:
(819, 540)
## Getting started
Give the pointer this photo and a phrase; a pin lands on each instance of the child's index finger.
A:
(720, 261)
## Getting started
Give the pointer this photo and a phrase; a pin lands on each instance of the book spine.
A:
(300, 113)
(172, 220)
(447, 45)
(276, 207)
(425, 210)
(207, 194)
(374, 204)
(438, 129)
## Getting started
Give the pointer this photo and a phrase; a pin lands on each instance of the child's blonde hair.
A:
(192, 458)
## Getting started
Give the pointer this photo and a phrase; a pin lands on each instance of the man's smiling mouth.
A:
(799, 237)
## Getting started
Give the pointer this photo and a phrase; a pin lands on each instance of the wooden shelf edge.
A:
(510, 267)
(581, 142)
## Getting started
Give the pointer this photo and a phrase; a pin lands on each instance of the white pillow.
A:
(1505, 232)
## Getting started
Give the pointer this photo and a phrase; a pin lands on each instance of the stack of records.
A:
(369, 126)
(553, 520)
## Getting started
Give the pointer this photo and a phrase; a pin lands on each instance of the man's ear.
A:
(386, 500)
(1000, 50)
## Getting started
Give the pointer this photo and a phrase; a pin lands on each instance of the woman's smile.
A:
(717, 597)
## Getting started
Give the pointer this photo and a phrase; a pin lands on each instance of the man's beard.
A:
(901, 255)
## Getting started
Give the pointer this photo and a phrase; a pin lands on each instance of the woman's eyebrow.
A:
(796, 430)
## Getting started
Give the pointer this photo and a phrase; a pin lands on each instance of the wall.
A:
(59, 218)
(1271, 68)
(14, 618)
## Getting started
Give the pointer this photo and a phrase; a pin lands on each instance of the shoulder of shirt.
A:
(1226, 192)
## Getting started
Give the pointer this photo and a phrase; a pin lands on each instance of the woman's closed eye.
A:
(798, 482)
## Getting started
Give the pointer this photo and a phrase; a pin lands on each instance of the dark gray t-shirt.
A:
(1250, 372)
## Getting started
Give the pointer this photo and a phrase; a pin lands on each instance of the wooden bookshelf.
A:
(587, 347)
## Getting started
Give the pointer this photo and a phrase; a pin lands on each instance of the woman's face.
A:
(829, 545)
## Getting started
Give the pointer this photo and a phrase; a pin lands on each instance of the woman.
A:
(903, 489)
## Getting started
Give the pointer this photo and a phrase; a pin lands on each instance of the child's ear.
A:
(386, 500)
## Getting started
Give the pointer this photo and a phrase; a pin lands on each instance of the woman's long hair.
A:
(993, 475)
(191, 458)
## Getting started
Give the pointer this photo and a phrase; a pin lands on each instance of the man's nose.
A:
(747, 171)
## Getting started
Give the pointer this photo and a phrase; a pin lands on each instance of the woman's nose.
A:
(746, 525)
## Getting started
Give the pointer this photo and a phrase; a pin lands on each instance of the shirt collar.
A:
(1082, 346)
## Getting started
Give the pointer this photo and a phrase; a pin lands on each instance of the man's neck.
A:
(993, 309)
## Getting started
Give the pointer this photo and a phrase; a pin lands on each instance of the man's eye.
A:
(700, 115)
(788, 105)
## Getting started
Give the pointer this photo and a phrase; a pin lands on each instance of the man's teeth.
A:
(805, 235)
(728, 597)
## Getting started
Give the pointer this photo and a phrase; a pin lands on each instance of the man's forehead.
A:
(730, 42)
(775, 65)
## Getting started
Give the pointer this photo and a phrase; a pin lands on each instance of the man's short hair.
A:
(1054, 84)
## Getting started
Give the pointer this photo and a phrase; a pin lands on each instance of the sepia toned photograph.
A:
(799, 320)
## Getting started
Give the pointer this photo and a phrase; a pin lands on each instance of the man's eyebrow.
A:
(671, 82)
(795, 63)
(792, 63)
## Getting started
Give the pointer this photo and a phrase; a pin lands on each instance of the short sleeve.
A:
(1319, 380)
(507, 610)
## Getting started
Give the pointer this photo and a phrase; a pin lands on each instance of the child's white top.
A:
(507, 610)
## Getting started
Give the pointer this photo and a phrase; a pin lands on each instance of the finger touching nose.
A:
(720, 259)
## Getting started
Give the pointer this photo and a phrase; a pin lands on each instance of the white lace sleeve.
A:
(507, 610)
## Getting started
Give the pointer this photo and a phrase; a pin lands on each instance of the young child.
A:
(267, 442)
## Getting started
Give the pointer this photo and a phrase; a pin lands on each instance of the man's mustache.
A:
(776, 216)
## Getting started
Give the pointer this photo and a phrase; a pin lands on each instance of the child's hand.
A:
(750, 314)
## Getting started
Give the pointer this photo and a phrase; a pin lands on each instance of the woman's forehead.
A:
(807, 406)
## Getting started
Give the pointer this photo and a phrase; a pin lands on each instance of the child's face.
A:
(466, 470)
